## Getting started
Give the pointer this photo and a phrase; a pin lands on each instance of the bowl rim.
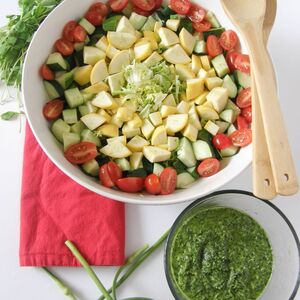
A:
(223, 192)
(144, 199)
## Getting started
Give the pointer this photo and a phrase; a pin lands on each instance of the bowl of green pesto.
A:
(231, 245)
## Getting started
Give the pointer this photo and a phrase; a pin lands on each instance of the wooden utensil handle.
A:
(284, 173)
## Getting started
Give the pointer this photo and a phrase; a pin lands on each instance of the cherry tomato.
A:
(158, 4)
(53, 109)
(181, 7)
(141, 12)
(114, 171)
(46, 73)
(247, 113)
(68, 31)
(230, 59)
(146, 5)
(64, 47)
(130, 184)
(79, 34)
(105, 177)
(117, 5)
(81, 153)
(94, 17)
(168, 179)
(228, 40)
(213, 46)
(242, 63)
(196, 13)
(152, 184)
(221, 141)
(208, 167)
(202, 26)
(244, 98)
(100, 7)
(242, 123)
(241, 137)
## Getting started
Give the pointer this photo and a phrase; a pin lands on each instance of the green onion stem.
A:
(132, 267)
(66, 290)
(88, 269)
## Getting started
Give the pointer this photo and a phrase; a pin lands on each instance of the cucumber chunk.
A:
(74, 97)
(70, 138)
(56, 62)
(91, 168)
(70, 115)
(184, 180)
(53, 89)
(230, 151)
(229, 84)
(137, 173)
(202, 150)
(149, 25)
(200, 47)
(228, 115)
(88, 136)
(137, 21)
(89, 28)
(214, 31)
(111, 23)
(58, 128)
(185, 153)
(123, 163)
(220, 65)
(157, 169)
(212, 19)
(193, 172)
(65, 80)
(179, 166)
(78, 47)
(243, 79)
(78, 127)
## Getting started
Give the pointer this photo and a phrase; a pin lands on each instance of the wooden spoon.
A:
(248, 16)
(263, 180)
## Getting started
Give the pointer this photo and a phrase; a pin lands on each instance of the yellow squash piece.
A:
(156, 154)
(102, 44)
(108, 130)
(93, 120)
(196, 63)
(153, 59)
(166, 110)
(190, 132)
(168, 37)
(99, 72)
(96, 88)
(184, 72)
(124, 25)
(137, 144)
(205, 62)
(104, 100)
(117, 63)
(116, 150)
(120, 139)
(176, 123)
(159, 136)
(187, 41)
(124, 114)
(116, 121)
(136, 160)
(219, 98)
(194, 88)
(130, 132)
(156, 118)
(115, 82)
(142, 51)
(194, 120)
(169, 100)
(173, 143)
(111, 51)
(82, 75)
(207, 113)
(91, 55)
(211, 127)
(147, 129)
(106, 115)
(121, 40)
(136, 121)
(176, 55)
(202, 98)
(183, 107)
(173, 24)
(212, 82)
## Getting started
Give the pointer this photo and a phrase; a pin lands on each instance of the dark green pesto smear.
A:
(220, 254)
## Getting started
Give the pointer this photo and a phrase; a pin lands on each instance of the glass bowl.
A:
(285, 278)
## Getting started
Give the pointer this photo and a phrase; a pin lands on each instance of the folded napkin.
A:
(54, 209)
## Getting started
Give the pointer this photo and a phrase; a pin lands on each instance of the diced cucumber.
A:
(88, 136)
(91, 168)
(179, 166)
(70, 138)
(78, 46)
(157, 169)
(167, 11)
(70, 61)
(147, 165)
(200, 47)
(185, 153)
(149, 25)
(137, 21)
(176, 17)
(111, 23)
(123, 163)
(230, 151)
(89, 28)
(212, 19)
(211, 127)
(87, 109)
(229, 84)
(187, 24)
(53, 89)
(202, 150)
(233, 106)
(65, 80)
(223, 126)
(228, 115)
(193, 172)
(243, 79)
(137, 173)
(78, 127)
(79, 57)
(56, 62)
(231, 129)
(74, 97)
(220, 65)
(214, 31)
(204, 136)
(70, 115)
(184, 180)
(58, 128)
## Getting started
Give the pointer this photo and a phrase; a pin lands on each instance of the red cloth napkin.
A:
(54, 209)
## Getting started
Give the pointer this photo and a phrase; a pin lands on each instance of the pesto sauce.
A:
(220, 254)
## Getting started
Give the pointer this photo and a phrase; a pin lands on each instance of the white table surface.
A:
(144, 224)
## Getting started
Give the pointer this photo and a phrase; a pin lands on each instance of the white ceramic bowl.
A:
(35, 98)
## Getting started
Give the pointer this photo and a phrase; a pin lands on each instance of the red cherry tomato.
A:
(221, 141)
(81, 153)
(69, 30)
(241, 137)
(114, 171)
(196, 13)
(242, 63)
(117, 5)
(202, 26)
(64, 47)
(230, 59)
(46, 73)
(130, 184)
(208, 167)
(158, 4)
(94, 17)
(244, 98)
(242, 123)
(213, 46)
(53, 109)
(141, 12)
(168, 179)
(146, 5)
(228, 40)
(181, 7)
(152, 184)
(100, 7)
(79, 34)
(105, 177)
(247, 113)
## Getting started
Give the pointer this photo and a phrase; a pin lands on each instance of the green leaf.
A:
(9, 115)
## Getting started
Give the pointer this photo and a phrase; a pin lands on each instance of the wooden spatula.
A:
(248, 16)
